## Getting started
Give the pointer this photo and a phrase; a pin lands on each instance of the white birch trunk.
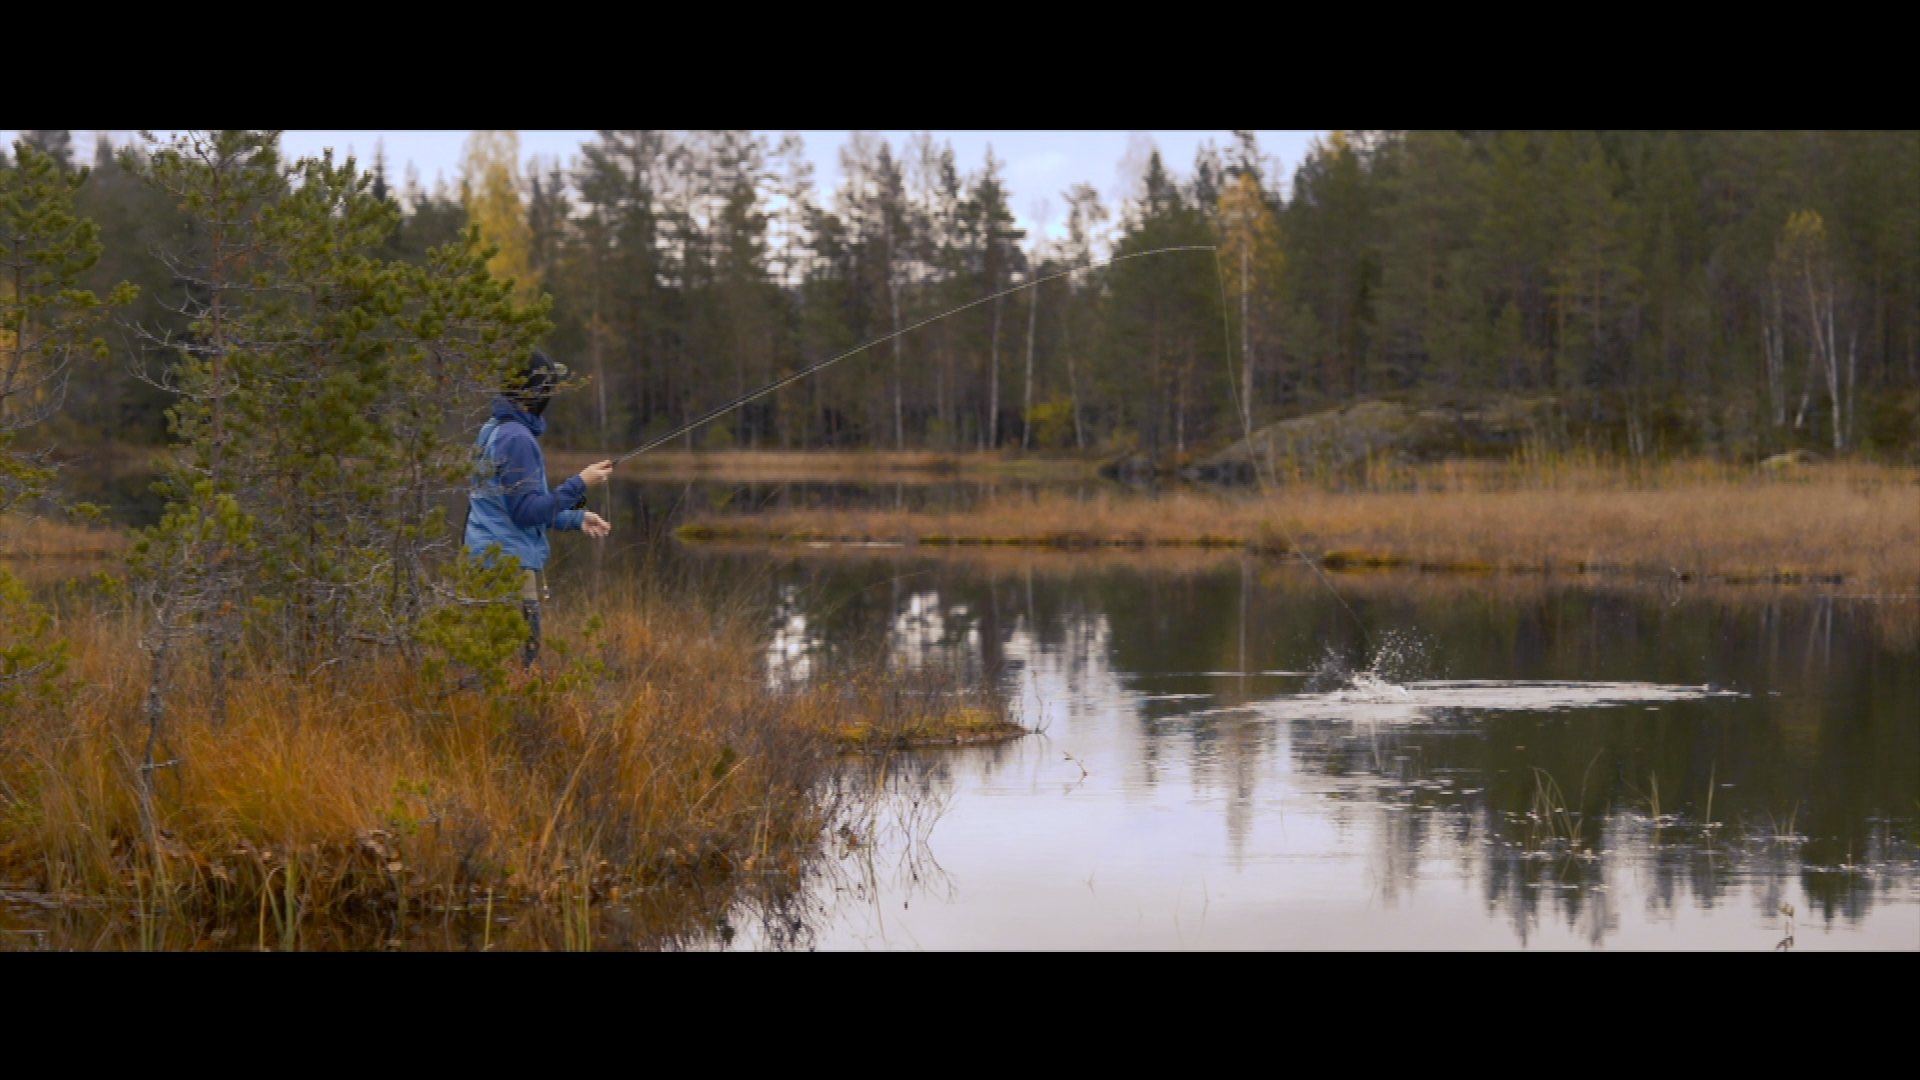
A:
(992, 433)
(899, 423)
(1773, 344)
(1246, 348)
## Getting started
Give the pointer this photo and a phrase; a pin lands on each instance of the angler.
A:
(510, 507)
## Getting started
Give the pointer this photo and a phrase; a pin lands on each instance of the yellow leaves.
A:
(491, 185)
(1805, 226)
(1249, 236)
(1803, 243)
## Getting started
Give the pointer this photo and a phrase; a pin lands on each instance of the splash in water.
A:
(1366, 686)
(1396, 658)
(1369, 699)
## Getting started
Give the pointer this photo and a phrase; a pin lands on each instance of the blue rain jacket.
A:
(510, 504)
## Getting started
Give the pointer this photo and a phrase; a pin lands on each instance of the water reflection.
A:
(1557, 767)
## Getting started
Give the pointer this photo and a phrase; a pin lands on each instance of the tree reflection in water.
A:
(1154, 676)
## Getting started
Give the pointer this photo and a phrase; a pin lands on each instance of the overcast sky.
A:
(1038, 164)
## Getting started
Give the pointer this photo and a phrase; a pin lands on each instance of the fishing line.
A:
(1243, 411)
(827, 363)
(1226, 337)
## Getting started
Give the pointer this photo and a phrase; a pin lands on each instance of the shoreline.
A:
(1855, 526)
(644, 781)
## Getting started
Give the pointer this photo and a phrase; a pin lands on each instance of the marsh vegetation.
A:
(1858, 524)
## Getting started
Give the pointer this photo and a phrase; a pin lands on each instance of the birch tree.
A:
(1253, 260)
(1041, 213)
(1805, 265)
(490, 178)
(1085, 216)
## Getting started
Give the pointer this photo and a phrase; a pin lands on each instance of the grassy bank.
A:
(1848, 523)
(649, 762)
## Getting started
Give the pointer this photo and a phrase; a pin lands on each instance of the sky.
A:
(1038, 164)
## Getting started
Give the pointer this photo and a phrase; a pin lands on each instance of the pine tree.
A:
(1163, 318)
(192, 568)
(48, 321)
(791, 186)
(48, 324)
(944, 279)
(380, 189)
(990, 223)
(1669, 258)
(1332, 263)
(432, 219)
(1512, 243)
(745, 303)
(328, 395)
(135, 220)
(55, 143)
(1429, 303)
(1592, 274)
(620, 173)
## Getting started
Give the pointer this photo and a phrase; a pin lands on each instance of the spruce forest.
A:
(1657, 293)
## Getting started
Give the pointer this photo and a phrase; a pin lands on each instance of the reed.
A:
(1856, 524)
(647, 755)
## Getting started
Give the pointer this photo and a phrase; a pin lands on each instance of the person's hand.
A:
(594, 525)
(597, 473)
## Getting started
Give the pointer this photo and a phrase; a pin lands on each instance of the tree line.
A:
(1667, 291)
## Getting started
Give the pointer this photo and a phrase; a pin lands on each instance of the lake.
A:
(1235, 752)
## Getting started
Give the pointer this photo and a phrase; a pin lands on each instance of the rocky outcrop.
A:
(1341, 438)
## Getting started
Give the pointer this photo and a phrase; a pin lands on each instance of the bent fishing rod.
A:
(788, 380)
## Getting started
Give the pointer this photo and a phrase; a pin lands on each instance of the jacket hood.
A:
(504, 410)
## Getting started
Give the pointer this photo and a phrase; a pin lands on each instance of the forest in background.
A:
(1660, 292)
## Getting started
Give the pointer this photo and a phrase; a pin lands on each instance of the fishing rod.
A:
(795, 377)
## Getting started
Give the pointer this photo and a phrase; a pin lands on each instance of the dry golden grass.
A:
(651, 757)
(960, 725)
(1860, 524)
(38, 538)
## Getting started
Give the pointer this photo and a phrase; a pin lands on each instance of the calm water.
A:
(1227, 762)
